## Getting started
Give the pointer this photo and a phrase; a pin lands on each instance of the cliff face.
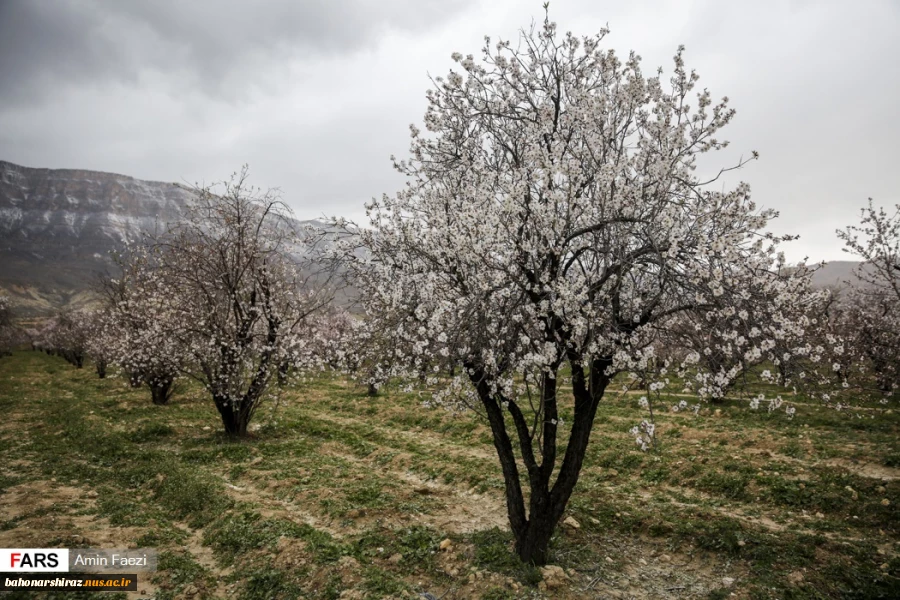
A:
(58, 226)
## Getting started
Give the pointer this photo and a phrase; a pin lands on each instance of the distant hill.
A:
(58, 227)
(836, 273)
(839, 273)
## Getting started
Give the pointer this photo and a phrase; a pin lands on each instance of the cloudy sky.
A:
(316, 95)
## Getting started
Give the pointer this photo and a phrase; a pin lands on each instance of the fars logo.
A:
(34, 560)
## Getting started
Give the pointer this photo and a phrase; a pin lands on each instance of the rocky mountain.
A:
(59, 226)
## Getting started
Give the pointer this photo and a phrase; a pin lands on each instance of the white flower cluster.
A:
(644, 434)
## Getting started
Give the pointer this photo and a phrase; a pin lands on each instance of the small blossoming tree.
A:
(241, 289)
(66, 335)
(733, 353)
(139, 328)
(869, 314)
(552, 234)
(99, 339)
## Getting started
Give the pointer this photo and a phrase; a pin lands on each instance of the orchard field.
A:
(339, 495)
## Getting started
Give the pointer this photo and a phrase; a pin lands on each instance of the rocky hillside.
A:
(58, 226)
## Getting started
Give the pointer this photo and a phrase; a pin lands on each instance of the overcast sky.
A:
(316, 95)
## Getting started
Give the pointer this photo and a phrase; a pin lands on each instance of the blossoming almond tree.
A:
(870, 312)
(241, 290)
(66, 334)
(552, 231)
(752, 337)
(98, 347)
(869, 366)
(138, 329)
(879, 249)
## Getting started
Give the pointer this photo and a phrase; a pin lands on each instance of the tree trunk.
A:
(372, 391)
(236, 415)
(547, 504)
(235, 424)
(135, 380)
(235, 419)
(100, 365)
(533, 544)
(161, 389)
(283, 374)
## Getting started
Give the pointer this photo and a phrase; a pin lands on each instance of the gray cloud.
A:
(317, 96)
(42, 43)
(223, 48)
